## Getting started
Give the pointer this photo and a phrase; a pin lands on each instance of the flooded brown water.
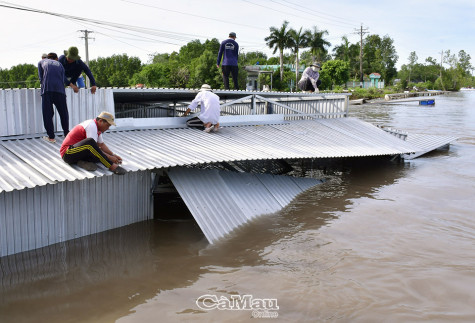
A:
(380, 241)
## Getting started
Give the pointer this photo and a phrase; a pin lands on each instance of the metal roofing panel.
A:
(163, 94)
(44, 215)
(249, 194)
(221, 201)
(425, 143)
(282, 188)
(20, 109)
(164, 148)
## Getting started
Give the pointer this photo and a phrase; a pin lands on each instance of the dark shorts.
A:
(195, 123)
(86, 150)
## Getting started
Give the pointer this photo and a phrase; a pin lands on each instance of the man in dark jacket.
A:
(74, 66)
(53, 80)
(229, 52)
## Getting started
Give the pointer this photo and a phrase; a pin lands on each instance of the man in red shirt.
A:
(85, 146)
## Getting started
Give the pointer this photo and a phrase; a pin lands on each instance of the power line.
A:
(315, 13)
(150, 31)
(188, 14)
(284, 12)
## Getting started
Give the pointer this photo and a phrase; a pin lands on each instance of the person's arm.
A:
(220, 54)
(314, 80)
(112, 157)
(304, 74)
(90, 76)
(237, 51)
(194, 103)
(187, 112)
(312, 76)
(67, 83)
(40, 72)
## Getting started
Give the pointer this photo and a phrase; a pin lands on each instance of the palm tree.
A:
(318, 45)
(279, 39)
(298, 39)
(343, 51)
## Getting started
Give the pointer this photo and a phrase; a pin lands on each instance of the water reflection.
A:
(105, 275)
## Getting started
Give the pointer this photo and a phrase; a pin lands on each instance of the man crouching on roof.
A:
(85, 146)
(210, 109)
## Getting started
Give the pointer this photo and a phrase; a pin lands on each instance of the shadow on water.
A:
(102, 276)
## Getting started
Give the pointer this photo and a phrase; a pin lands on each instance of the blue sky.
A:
(426, 27)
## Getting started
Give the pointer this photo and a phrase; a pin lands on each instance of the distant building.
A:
(374, 80)
(253, 72)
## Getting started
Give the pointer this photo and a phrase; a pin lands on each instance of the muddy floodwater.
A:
(379, 241)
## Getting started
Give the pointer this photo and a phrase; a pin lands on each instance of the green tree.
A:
(252, 58)
(342, 51)
(153, 75)
(298, 39)
(115, 71)
(380, 53)
(205, 71)
(464, 62)
(318, 45)
(279, 40)
(19, 76)
(412, 62)
(338, 72)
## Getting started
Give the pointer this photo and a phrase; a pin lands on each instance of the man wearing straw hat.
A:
(85, 146)
(210, 109)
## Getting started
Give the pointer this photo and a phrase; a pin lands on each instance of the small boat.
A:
(427, 102)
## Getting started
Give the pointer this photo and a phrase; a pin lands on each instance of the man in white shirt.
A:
(210, 110)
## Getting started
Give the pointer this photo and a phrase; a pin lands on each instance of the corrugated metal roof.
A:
(34, 162)
(425, 143)
(221, 201)
(20, 109)
(164, 94)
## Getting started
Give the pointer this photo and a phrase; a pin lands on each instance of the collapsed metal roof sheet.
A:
(425, 143)
(34, 162)
(221, 201)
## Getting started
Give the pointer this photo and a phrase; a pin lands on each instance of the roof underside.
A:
(26, 163)
(221, 201)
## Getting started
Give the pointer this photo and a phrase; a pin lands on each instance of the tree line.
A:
(195, 64)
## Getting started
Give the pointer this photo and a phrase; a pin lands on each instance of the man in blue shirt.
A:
(53, 80)
(74, 66)
(229, 51)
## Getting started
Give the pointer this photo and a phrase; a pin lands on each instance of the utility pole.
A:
(86, 38)
(441, 61)
(361, 31)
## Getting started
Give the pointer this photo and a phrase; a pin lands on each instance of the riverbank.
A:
(373, 93)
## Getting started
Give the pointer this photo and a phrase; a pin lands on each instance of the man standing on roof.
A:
(85, 146)
(74, 66)
(53, 80)
(210, 109)
(229, 52)
(310, 78)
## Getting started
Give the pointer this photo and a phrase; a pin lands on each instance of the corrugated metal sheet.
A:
(21, 112)
(426, 143)
(36, 217)
(163, 148)
(221, 201)
(164, 94)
